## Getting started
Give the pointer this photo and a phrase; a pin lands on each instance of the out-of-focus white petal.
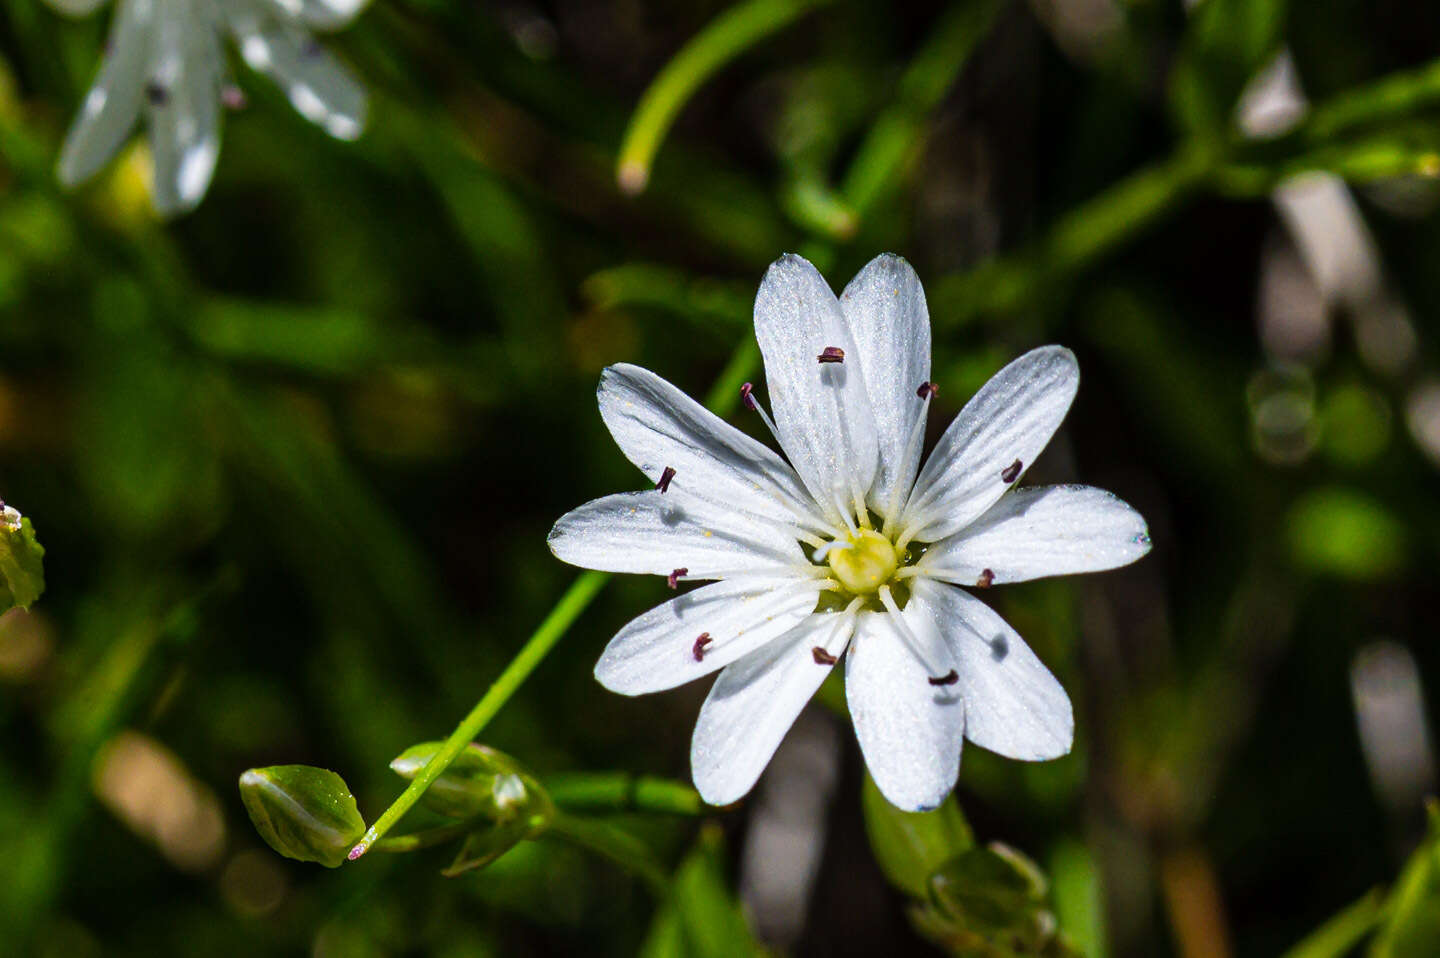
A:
(319, 87)
(753, 704)
(910, 731)
(657, 533)
(329, 14)
(657, 427)
(821, 409)
(111, 107)
(1041, 531)
(1013, 705)
(75, 8)
(184, 110)
(663, 648)
(890, 325)
(992, 442)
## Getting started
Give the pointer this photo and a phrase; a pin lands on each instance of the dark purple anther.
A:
(822, 657)
(831, 354)
(673, 579)
(986, 580)
(927, 391)
(698, 649)
(747, 396)
(156, 93)
(664, 484)
(232, 97)
(949, 678)
(1011, 473)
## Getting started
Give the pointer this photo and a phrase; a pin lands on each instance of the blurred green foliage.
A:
(294, 457)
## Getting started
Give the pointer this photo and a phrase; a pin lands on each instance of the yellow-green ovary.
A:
(864, 563)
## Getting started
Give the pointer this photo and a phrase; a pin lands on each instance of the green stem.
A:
(430, 837)
(622, 792)
(722, 399)
(718, 43)
(620, 847)
(581, 592)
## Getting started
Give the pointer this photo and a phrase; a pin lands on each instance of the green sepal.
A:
(302, 812)
(910, 846)
(991, 901)
(22, 573)
(481, 782)
(485, 846)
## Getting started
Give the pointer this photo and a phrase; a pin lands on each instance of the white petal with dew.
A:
(1013, 705)
(1010, 420)
(910, 731)
(658, 532)
(658, 426)
(884, 306)
(112, 106)
(1041, 531)
(185, 115)
(657, 650)
(319, 87)
(821, 409)
(753, 704)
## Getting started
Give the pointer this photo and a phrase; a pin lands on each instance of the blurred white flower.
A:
(845, 549)
(165, 58)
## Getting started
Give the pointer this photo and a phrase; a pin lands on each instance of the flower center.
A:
(863, 562)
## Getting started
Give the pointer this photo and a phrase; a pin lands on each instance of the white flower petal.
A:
(910, 731)
(753, 704)
(657, 533)
(1042, 531)
(113, 104)
(657, 650)
(76, 8)
(1010, 420)
(319, 87)
(890, 325)
(184, 108)
(821, 409)
(329, 14)
(658, 426)
(1013, 705)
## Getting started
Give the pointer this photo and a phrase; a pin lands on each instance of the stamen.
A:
(949, 678)
(822, 657)
(927, 392)
(698, 649)
(673, 579)
(156, 93)
(986, 580)
(747, 395)
(831, 354)
(1011, 473)
(912, 641)
(664, 484)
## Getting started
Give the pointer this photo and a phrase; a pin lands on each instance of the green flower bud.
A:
(480, 782)
(303, 813)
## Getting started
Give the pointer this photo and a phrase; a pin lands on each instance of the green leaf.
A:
(480, 782)
(22, 574)
(710, 916)
(1227, 42)
(1341, 933)
(1413, 925)
(910, 846)
(302, 812)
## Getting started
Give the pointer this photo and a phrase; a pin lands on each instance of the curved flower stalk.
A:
(849, 548)
(164, 58)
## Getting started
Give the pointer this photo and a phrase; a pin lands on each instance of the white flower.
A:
(165, 58)
(846, 550)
